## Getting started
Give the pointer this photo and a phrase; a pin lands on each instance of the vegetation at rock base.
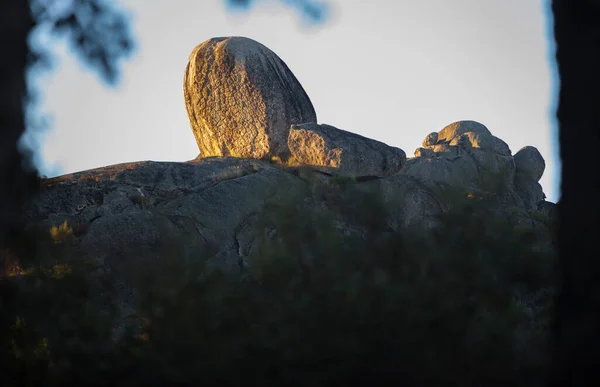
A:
(466, 304)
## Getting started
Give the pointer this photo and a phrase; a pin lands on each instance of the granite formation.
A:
(241, 99)
(337, 151)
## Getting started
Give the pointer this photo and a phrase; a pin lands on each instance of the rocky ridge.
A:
(257, 134)
(213, 200)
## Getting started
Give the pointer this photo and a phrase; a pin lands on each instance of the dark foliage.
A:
(465, 306)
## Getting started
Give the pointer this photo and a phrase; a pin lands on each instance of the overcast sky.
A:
(391, 70)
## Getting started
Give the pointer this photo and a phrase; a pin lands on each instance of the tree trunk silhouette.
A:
(16, 184)
(576, 341)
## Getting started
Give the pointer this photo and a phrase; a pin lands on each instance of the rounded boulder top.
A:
(458, 128)
(529, 162)
(241, 99)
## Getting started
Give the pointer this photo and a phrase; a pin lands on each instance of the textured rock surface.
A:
(333, 150)
(529, 168)
(410, 202)
(530, 163)
(458, 128)
(464, 155)
(430, 139)
(205, 201)
(424, 152)
(241, 99)
(529, 190)
(213, 203)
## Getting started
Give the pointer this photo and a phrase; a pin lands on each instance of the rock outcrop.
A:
(241, 99)
(213, 203)
(530, 163)
(464, 155)
(530, 166)
(132, 209)
(333, 150)
(210, 209)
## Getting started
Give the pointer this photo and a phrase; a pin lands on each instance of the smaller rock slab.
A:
(343, 153)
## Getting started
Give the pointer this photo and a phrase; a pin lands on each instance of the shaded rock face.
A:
(529, 190)
(530, 163)
(205, 202)
(530, 167)
(241, 99)
(410, 202)
(333, 150)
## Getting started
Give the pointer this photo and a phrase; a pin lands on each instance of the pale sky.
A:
(391, 70)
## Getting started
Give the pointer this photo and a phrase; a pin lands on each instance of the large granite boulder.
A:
(337, 151)
(241, 99)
